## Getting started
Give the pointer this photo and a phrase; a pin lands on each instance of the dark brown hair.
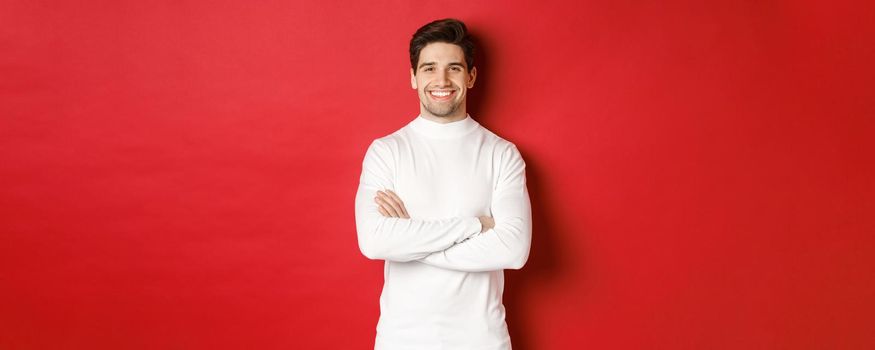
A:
(448, 30)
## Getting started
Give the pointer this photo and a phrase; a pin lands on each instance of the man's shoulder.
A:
(390, 141)
(500, 143)
(504, 153)
(395, 137)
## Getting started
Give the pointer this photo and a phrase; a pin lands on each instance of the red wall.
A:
(181, 174)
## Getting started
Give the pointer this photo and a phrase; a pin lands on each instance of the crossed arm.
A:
(387, 232)
(390, 205)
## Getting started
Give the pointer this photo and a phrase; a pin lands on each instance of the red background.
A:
(181, 174)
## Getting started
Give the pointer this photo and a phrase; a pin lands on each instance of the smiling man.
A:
(444, 202)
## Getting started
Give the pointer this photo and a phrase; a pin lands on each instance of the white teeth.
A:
(440, 93)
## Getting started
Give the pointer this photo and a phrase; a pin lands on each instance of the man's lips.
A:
(442, 95)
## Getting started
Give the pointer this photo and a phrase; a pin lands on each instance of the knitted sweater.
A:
(443, 278)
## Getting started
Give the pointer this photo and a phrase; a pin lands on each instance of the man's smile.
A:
(442, 95)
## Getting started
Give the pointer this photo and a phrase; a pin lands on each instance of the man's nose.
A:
(443, 78)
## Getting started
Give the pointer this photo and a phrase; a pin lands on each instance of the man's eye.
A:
(457, 69)
(427, 69)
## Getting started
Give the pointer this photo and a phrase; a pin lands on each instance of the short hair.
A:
(448, 30)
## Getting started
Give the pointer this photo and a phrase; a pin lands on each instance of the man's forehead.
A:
(441, 53)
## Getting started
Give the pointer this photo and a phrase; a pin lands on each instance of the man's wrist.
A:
(486, 223)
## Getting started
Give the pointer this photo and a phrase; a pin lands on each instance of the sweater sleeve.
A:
(399, 239)
(506, 246)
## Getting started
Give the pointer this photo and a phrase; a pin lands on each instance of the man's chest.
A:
(445, 180)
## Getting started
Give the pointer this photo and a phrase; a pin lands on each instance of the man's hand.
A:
(487, 222)
(391, 206)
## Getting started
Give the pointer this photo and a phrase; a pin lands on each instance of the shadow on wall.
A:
(479, 95)
(545, 264)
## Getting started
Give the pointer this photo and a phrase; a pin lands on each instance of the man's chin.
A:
(441, 113)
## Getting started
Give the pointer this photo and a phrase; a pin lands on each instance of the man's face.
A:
(442, 81)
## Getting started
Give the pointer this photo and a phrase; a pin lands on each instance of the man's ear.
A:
(472, 77)
(412, 79)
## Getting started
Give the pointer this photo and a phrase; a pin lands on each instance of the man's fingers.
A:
(385, 206)
(391, 201)
(399, 201)
(382, 211)
(391, 205)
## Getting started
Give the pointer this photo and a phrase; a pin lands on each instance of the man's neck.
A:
(444, 120)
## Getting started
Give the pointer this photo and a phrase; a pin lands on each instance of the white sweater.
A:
(443, 278)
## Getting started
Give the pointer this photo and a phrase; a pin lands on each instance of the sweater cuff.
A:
(472, 227)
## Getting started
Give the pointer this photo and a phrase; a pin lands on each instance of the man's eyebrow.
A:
(453, 64)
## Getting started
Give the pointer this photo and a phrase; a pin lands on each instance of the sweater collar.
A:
(437, 130)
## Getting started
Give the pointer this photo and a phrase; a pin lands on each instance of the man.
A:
(444, 202)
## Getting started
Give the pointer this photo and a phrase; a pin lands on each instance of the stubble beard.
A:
(441, 111)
